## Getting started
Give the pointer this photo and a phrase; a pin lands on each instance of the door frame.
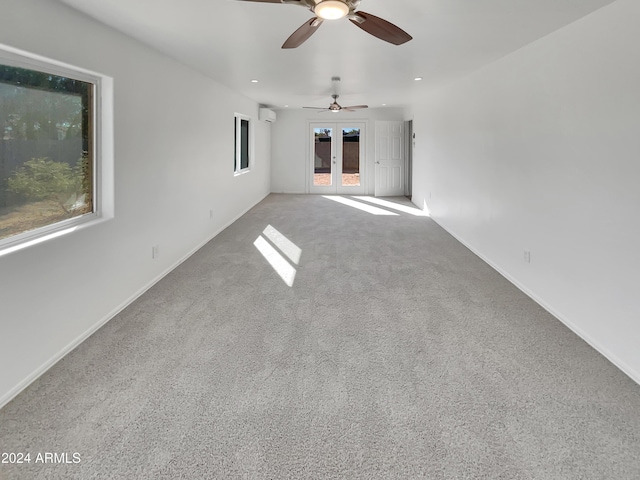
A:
(336, 188)
(408, 162)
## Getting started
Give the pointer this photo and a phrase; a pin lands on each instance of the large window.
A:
(48, 165)
(243, 144)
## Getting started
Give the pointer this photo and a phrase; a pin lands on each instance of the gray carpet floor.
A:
(395, 354)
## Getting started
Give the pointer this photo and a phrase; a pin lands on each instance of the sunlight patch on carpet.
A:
(285, 245)
(282, 267)
(395, 206)
(360, 206)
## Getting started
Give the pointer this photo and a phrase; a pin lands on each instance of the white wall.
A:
(540, 151)
(173, 164)
(290, 144)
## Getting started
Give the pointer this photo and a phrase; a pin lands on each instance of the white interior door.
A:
(337, 157)
(390, 161)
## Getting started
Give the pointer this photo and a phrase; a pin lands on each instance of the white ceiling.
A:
(235, 41)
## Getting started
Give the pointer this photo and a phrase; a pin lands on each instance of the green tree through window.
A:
(46, 159)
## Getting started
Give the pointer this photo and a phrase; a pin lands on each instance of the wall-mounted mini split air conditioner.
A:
(267, 115)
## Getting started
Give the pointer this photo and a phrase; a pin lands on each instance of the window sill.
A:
(29, 239)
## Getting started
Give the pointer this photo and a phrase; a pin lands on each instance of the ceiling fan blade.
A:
(316, 108)
(380, 28)
(355, 107)
(302, 34)
(302, 3)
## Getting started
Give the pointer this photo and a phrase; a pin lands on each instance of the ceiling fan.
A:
(335, 9)
(335, 107)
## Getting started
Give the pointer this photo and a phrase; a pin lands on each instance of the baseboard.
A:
(605, 352)
(14, 392)
(292, 192)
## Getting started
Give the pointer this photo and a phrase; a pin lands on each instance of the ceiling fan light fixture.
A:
(331, 9)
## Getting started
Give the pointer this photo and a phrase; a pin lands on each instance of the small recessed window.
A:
(243, 144)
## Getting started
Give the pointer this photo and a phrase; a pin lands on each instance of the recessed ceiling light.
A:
(417, 79)
(331, 9)
(384, 104)
(254, 81)
(286, 106)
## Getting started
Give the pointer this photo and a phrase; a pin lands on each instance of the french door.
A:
(337, 158)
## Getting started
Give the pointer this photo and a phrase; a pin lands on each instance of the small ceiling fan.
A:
(336, 9)
(335, 107)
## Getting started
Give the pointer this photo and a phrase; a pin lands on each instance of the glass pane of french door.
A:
(322, 151)
(350, 157)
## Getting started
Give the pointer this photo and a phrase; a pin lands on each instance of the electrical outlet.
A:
(527, 256)
(155, 251)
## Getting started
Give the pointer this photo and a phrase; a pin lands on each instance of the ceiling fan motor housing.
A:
(331, 9)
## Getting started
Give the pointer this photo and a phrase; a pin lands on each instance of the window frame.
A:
(237, 160)
(101, 144)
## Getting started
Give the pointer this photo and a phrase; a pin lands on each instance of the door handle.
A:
(377, 162)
